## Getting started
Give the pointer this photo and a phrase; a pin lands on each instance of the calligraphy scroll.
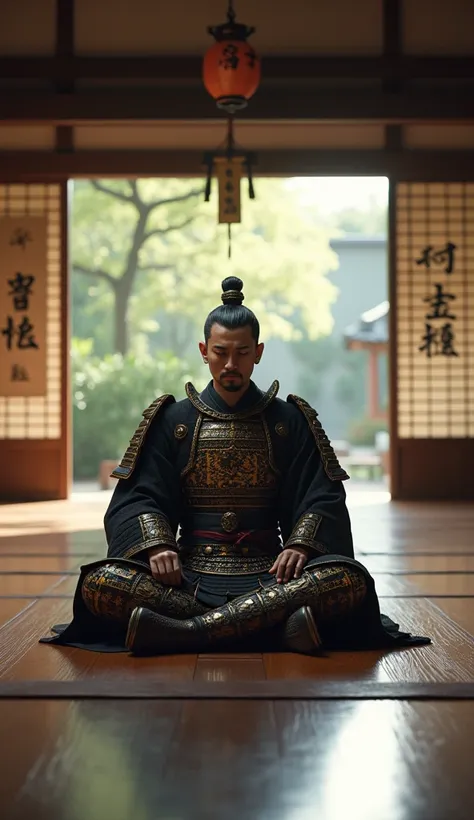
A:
(23, 278)
(229, 174)
(435, 310)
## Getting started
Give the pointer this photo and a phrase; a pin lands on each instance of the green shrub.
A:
(362, 431)
(109, 396)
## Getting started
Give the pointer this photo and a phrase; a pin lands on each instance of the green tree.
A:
(111, 232)
(109, 396)
(148, 257)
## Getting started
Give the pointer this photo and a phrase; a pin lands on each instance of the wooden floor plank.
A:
(19, 636)
(31, 563)
(127, 668)
(460, 610)
(54, 542)
(367, 760)
(112, 688)
(415, 547)
(431, 585)
(23, 658)
(442, 528)
(41, 662)
(418, 563)
(83, 554)
(31, 585)
(233, 656)
(58, 663)
(450, 657)
(222, 670)
(246, 742)
(386, 584)
(67, 586)
(373, 761)
(9, 608)
(329, 666)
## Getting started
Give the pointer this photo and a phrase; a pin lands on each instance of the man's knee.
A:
(107, 590)
(339, 589)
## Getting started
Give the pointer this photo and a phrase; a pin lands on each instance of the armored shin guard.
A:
(113, 592)
(331, 593)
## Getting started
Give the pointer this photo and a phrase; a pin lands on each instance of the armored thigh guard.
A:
(113, 592)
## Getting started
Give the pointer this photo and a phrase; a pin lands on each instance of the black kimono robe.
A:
(198, 474)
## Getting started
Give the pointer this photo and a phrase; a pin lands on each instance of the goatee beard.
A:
(231, 388)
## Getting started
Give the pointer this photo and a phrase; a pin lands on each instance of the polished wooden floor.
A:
(368, 735)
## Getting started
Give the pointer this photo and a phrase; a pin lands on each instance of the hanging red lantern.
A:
(231, 68)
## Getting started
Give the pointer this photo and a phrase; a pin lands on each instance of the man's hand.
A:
(289, 564)
(165, 566)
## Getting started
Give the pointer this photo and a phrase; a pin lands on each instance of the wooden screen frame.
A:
(26, 462)
(424, 469)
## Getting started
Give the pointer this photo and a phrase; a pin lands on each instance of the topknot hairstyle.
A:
(232, 314)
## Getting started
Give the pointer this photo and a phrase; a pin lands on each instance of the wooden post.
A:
(374, 408)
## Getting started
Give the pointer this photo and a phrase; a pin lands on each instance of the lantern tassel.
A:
(229, 238)
(207, 190)
(249, 177)
(230, 137)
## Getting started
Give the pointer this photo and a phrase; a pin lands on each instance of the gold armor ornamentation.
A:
(231, 465)
(229, 522)
(156, 532)
(304, 533)
(256, 410)
(281, 429)
(113, 591)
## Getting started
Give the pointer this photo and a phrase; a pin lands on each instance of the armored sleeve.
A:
(313, 502)
(144, 509)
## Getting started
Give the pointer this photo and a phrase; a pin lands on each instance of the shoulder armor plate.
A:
(127, 465)
(331, 465)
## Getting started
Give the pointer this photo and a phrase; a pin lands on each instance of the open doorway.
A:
(147, 260)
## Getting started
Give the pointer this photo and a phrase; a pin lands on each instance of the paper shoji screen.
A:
(39, 417)
(435, 310)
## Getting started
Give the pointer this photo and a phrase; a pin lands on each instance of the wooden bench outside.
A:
(371, 463)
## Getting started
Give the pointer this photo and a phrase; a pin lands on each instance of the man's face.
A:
(232, 356)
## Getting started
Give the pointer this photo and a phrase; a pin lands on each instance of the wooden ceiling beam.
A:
(392, 48)
(392, 44)
(65, 14)
(280, 103)
(187, 68)
(403, 165)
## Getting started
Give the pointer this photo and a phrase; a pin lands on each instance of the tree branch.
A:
(96, 273)
(117, 194)
(158, 231)
(172, 200)
(141, 206)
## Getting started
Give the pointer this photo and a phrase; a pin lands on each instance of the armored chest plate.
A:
(231, 467)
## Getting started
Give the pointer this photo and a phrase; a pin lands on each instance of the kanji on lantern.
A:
(231, 67)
